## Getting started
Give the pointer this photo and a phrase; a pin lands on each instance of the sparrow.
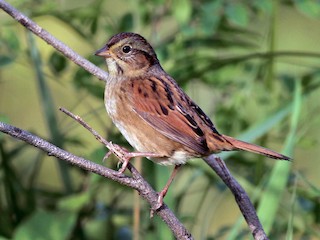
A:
(154, 114)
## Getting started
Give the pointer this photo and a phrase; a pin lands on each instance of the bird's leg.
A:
(164, 191)
(125, 156)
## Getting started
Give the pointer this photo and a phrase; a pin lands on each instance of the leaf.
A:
(211, 16)
(11, 40)
(309, 7)
(5, 60)
(46, 225)
(182, 10)
(4, 118)
(263, 5)
(83, 80)
(10, 46)
(57, 63)
(94, 25)
(126, 22)
(74, 202)
(237, 14)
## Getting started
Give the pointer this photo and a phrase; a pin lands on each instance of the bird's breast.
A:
(138, 132)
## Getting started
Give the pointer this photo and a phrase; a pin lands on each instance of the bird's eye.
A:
(126, 49)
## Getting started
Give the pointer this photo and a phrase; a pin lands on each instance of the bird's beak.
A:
(103, 52)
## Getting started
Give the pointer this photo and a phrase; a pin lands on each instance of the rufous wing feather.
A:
(241, 145)
(157, 100)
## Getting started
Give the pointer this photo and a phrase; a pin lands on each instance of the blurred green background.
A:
(253, 66)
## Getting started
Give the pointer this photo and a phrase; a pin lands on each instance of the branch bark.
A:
(51, 40)
(241, 197)
(136, 181)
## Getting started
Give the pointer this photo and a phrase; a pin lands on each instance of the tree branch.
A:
(136, 181)
(242, 199)
(51, 40)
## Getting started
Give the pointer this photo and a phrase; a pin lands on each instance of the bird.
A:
(158, 119)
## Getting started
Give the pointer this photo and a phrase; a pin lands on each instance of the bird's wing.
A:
(162, 104)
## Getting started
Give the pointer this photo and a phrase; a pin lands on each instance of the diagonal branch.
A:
(51, 40)
(136, 182)
(242, 199)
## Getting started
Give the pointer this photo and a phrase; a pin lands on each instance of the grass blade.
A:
(48, 109)
(270, 200)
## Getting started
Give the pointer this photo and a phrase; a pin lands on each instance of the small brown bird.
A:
(154, 114)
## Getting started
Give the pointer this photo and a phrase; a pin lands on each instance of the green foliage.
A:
(234, 58)
(46, 225)
(181, 10)
(237, 14)
(57, 63)
(309, 7)
(10, 46)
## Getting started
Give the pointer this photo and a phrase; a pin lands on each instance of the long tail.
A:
(240, 145)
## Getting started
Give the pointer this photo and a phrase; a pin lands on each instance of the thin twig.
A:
(109, 145)
(90, 129)
(120, 152)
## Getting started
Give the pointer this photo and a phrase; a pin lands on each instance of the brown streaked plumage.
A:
(152, 111)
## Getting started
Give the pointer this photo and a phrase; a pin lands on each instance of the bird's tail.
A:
(240, 145)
